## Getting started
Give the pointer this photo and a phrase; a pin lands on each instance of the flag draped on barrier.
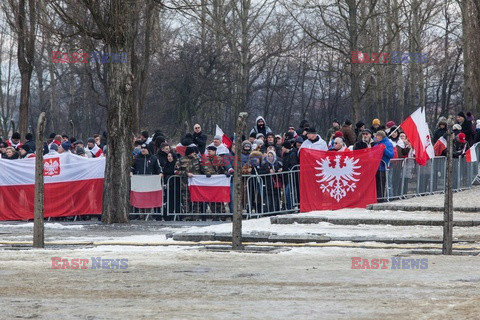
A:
(416, 129)
(73, 186)
(213, 189)
(146, 191)
(335, 180)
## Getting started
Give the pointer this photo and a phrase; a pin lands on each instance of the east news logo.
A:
(97, 263)
(397, 263)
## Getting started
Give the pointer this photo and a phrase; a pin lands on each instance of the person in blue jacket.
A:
(381, 138)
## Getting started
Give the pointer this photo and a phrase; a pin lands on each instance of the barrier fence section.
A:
(279, 192)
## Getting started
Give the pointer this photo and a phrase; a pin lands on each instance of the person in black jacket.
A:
(466, 127)
(290, 180)
(441, 129)
(199, 138)
(273, 182)
(145, 163)
(162, 154)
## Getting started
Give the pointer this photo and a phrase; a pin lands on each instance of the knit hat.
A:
(92, 140)
(287, 145)
(461, 137)
(259, 135)
(217, 137)
(80, 150)
(66, 145)
(376, 122)
(270, 134)
(359, 124)
(338, 134)
(311, 130)
(299, 139)
(367, 131)
(53, 147)
(189, 151)
(347, 122)
(253, 135)
(461, 114)
(78, 142)
(390, 124)
(16, 135)
(246, 143)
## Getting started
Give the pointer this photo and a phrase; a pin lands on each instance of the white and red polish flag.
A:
(146, 191)
(471, 154)
(439, 146)
(213, 189)
(416, 129)
(73, 186)
(225, 139)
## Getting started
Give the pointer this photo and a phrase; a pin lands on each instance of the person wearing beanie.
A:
(441, 129)
(390, 124)
(376, 125)
(252, 137)
(64, 147)
(14, 141)
(460, 145)
(388, 153)
(30, 142)
(245, 153)
(25, 152)
(359, 126)
(297, 143)
(53, 149)
(96, 151)
(349, 136)
(466, 127)
(221, 148)
(145, 163)
(314, 141)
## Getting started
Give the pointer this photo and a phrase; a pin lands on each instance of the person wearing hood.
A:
(272, 181)
(314, 141)
(260, 127)
(246, 149)
(441, 129)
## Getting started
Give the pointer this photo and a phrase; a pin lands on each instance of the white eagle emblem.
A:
(338, 180)
(51, 167)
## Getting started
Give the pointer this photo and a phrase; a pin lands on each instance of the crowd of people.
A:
(263, 152)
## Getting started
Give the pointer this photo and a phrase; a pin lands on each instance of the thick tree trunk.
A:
(116, 193)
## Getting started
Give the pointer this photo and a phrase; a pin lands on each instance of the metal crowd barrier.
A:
(405, 178)
(279, 192)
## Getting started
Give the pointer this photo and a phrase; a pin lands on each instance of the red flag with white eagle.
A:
(416, 129)
(225, 139)
(213, 189)
(335, 180)
(146, 191)
(471, 154)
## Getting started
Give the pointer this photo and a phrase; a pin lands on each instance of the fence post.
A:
(448, 212)
(38, 228)
(237, 183)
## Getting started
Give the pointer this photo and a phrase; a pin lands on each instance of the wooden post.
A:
(237, 184)
(38, 230)
(448, 211)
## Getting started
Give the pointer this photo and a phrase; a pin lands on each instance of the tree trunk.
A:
(116, 192)
(238, 185)
(38, 230)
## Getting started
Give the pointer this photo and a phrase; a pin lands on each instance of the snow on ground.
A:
(47, 225)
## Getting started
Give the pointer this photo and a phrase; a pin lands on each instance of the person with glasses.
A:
(339, 145)
(199, 139)
(365, 142)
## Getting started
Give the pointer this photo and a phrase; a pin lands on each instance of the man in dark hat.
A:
(366, 141)
(290, 160)
(96, 151)
(314, 141)
(466, 127)
(145, 163)
(359, 126)
(14, 141)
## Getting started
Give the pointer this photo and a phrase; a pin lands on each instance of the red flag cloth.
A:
(146, 191)
(439, 146)
(213, 189)
(416, 129)
(335, 180)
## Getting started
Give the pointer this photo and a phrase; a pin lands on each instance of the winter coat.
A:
(263, 130)
(200, 140)
(146, 164)
(387, 153)
(348, 135)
